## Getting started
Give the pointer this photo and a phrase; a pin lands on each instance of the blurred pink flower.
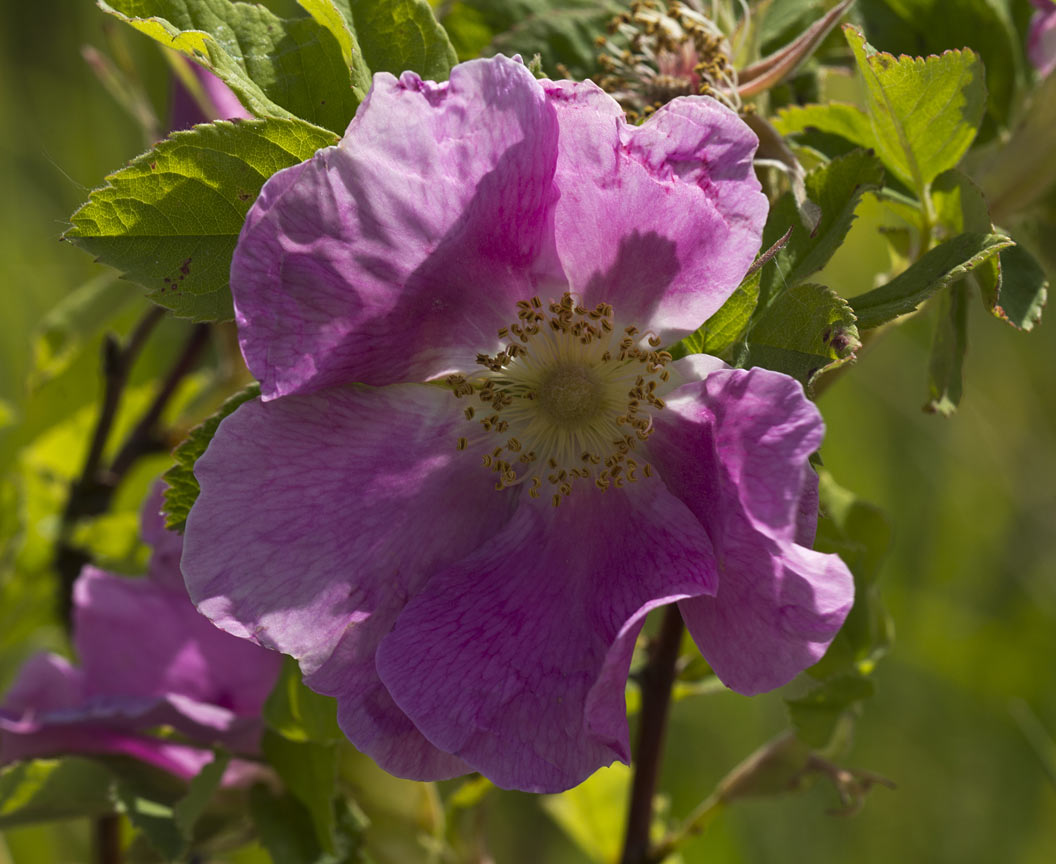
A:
(185, 111)
(1041, 40)
(147, 659)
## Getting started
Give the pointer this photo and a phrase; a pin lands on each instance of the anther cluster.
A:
(656, 52)
(569, 398)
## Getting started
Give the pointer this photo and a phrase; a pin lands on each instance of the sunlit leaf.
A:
(397, 35)
(593, 813)
(277, 67)
(170, 220)
(927, 26)
(924, 111)
(724, 331)
(300, 714)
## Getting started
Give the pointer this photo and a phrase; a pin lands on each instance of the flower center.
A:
(567, 399)
(571, 395)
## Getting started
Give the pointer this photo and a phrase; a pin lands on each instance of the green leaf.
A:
(860, 534)
(924, 111)
(153, 819)
(561, 32)
(69, 326)
(169, 827)
(834, 118)
(200, 790)
(309, 771)
(946, 369)
(960, 204)
(929, 26)
(171, 219)
(816, 715)
(592, 814)
(724, 331)
(300, 714)
(284, 827)
(1022, 289)
(467, 28)
(563, 37)
(47, 789)
(397, 35)
(337, 21)
(805, 331)
(936, 269)
(836, 187)
(277, 67)
(182, 490)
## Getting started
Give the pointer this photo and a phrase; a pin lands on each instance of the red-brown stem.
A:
(108, 839)
(657, 679)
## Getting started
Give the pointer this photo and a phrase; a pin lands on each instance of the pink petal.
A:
(167, 546)
(179, 759)
(515, 658)
(46, 682)
(399, 254)
(320, 516)
(1041, 39)
(662, 220)
(734, 448)
(139, 642)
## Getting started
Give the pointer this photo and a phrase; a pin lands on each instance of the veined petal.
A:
(762, 429)
(516, 657)
(778, 607)
(398, 254)
(734, 448)
(319, 518)
(662, 220)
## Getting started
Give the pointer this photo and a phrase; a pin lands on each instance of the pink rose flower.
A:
(455, 316)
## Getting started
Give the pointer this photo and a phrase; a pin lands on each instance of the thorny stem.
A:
(108, 839)
(91, 493)
(657, 679)
(144, 438)
(117, 363)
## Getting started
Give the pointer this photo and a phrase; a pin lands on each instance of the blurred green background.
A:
(965, 707)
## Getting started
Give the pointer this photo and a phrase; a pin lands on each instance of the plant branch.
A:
(107, 830)
(88, 495)
(144, 438)
(657, 679)
(93, 490)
